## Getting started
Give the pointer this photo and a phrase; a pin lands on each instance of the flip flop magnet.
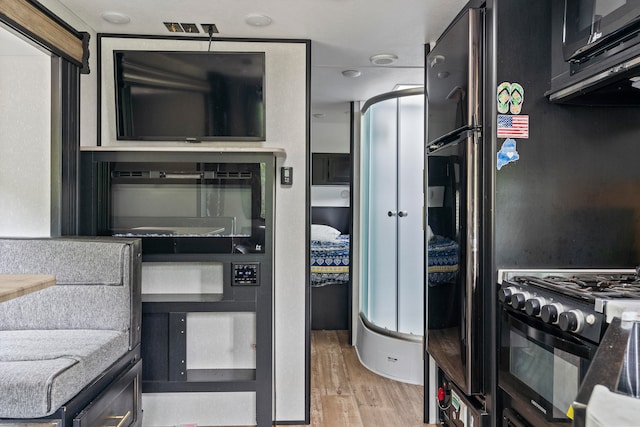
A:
(516, 98)
(504, 97)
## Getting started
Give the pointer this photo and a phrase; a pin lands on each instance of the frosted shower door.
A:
(410, 234)
(382, 232)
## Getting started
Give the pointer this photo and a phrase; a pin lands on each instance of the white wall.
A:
(331, 134)
(25, 139)
(330, 195)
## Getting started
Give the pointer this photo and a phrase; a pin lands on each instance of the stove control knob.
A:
(518, 300)
(504, 295)
(534, 305)
(571, 321)
(550, 312)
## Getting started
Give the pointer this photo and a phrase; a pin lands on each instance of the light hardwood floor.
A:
(345, 393)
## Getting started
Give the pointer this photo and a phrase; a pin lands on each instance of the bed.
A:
(329, 260)
(330, 267)
(443, 260)
(444, 281)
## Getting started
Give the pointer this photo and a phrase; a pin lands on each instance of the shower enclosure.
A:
(391, 326)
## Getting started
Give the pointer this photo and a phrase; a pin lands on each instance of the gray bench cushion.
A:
(72, 261)
(69, 307)
(42, 370)
(92, 284)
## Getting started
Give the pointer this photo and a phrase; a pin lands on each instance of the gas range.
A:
(579, 302)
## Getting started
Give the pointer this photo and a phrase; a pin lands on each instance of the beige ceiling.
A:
(344, 34)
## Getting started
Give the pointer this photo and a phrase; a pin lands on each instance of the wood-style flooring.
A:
(345, 393)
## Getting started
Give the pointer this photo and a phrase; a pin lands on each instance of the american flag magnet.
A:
(513, 126)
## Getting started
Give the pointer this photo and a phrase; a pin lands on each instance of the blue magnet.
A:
(507, 153)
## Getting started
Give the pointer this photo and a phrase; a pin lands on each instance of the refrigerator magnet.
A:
(508, 153)
(503, 97)
(516, 98)
(513, 126)
(509, 97)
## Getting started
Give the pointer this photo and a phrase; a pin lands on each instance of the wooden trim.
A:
(34, 21)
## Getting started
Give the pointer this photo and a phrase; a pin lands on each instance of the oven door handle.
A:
(550, 340)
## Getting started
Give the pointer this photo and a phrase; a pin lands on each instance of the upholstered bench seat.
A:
(40, 370)
(70, 353)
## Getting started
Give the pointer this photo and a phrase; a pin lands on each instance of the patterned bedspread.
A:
(443, 260)
(330, 261)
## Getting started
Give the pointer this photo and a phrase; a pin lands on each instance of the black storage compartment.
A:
(444, 306)
(330, 307)
(118, 405)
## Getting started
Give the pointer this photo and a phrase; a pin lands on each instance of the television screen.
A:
(190, 96)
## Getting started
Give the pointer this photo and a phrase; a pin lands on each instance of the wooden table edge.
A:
(17, 285)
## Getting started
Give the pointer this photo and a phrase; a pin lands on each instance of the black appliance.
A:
(552, 323)
(592, 25)
(613, 380)
(193, 96)
(178, 207)
(454, 117)
(599, 63)
(457, 409)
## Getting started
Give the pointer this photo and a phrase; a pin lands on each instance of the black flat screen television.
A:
(189, 96)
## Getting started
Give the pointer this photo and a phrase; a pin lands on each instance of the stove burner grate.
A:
(589, 287)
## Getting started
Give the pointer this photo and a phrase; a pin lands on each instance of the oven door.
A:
(592, 25)
(539, 367)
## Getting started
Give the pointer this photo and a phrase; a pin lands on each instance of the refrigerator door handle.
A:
(452, 137)
(472, 246)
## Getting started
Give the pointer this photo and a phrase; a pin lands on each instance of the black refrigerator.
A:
(456, 294)
(453, 149)
(564, 196)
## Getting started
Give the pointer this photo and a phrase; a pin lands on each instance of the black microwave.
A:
(596, 52)
(593, 26)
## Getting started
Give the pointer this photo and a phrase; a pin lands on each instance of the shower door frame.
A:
(391, 213)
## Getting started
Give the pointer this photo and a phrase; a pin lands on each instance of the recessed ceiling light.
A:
(257, 20)
(351, 73)
(115, 17)
(383, 59)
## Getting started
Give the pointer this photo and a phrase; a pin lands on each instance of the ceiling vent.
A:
(177, 27)
(383, 59)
